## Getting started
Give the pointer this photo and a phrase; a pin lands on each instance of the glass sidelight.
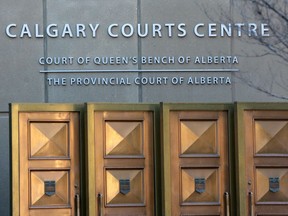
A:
(46, 165)
(263, 169)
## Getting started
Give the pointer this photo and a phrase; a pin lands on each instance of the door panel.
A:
(122, 143)
(51, 162)
(196, 177)
(266, 133)
(49, 169)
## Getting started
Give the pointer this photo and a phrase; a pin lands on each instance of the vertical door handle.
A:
(77, 201)
(251, 203)
(100, 204)
(227, 204)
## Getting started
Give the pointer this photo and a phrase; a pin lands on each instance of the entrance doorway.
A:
(45, 159)
(262, 162)
(197, 168)
(149, 159)
(120, 151)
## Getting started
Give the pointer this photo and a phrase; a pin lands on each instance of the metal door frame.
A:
(15, 109)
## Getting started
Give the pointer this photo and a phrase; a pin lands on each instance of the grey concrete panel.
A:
(194, 87)
(20, 78)
(99, 87)
(103, 13)
(263, 76)
(4, 165)
(261, 79)
(88, 12)
(190, 13)
(188, 47)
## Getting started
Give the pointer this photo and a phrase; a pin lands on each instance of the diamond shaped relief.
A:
(271, 137)
(49, 140)
(198, 137)
(124, 138)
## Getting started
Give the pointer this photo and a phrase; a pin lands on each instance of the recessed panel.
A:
(123, 138)
(272, 185)
(49, 139)
(199, 185)
(49, 189)
(198, 137)
(125, 187)
(271, 137)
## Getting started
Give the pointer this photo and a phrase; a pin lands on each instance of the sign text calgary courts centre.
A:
(141, 30)
(127, 30)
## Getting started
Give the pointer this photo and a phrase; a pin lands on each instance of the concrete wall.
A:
(258, 78)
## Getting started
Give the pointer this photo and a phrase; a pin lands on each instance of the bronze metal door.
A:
(120, 160)
(49, 182)
(264, 140)
(196, 166)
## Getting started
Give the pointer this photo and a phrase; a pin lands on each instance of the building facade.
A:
(143, 107)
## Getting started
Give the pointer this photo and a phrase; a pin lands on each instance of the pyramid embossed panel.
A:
(124, 138)
(198, 137)
(271, 137)
(39, 197)
(49, 139)
(266, 190)
(191, 192)
(135, 194)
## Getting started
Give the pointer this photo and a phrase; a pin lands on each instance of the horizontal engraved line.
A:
(139, 71)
